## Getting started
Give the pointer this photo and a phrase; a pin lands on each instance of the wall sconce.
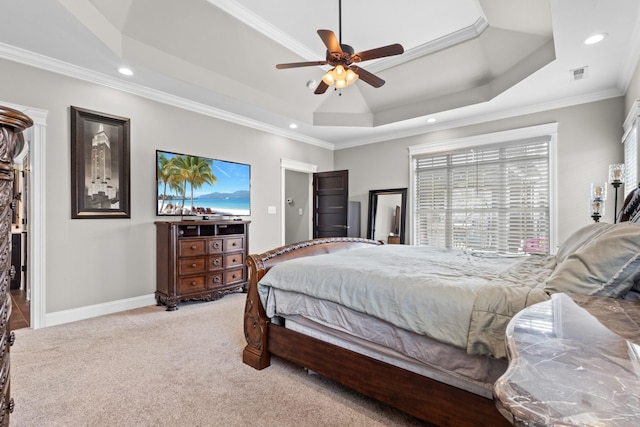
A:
(597, 197)
(616, 178)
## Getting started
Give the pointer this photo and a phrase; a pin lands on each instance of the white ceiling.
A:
(465, 61)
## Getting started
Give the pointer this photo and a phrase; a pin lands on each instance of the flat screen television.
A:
(189, 185)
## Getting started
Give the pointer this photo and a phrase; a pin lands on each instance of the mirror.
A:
(387, 212)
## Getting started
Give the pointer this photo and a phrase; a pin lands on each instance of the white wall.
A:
(97, 261)
(588, 141)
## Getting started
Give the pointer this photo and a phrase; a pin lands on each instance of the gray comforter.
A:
(457, 297)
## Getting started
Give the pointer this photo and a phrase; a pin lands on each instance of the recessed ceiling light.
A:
(311, 84)
(596, 38)
(293, 126)
(126, 71)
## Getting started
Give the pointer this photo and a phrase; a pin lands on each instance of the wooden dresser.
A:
(12, 123)
(200, 260)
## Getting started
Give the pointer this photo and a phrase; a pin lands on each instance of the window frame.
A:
(549, 130)
(632, 165)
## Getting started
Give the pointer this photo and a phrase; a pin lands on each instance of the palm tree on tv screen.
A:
(180, 170)
(196, 171)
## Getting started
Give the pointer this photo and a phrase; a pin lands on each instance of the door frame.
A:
(36, 273)
(294, 165)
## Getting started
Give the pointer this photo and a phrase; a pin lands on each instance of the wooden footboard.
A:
(256, 330)
(414, 394)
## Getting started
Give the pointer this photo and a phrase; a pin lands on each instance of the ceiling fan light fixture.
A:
(339, 77)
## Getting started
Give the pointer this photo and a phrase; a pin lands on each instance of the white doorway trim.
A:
(36, 265)
(294, 165)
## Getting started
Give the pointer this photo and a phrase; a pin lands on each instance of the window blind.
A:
(492, 198)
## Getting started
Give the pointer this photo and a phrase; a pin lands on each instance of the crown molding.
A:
(36, 60)
(452, 39)
(249, 18)
(489, 117)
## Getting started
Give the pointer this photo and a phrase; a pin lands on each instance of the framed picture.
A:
(100, 169)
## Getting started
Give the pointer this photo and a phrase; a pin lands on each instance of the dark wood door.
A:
(330, 203)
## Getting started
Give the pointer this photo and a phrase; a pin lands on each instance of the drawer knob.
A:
(193, 247)
(12, 338)
(12, 405)
(234, 260)
(233, 276)
(193, 265)
(216, 279)
(234, 244)
(216, 262)
(193, 283)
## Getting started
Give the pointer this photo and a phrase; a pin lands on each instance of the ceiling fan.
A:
(343, 59)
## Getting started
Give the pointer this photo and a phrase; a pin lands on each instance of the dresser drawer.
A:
(192, 284)
(192, 247)
(215, 263)
(233, 244)
(215, 246)
(233, 276)
(214, 280)
(233, 260)
(192, 265)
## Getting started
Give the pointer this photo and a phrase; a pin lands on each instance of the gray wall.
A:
(94, 261)
(588, 141)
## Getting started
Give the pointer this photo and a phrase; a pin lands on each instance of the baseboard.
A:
(74, 314)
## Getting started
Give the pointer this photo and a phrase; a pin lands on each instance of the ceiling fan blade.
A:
(330, 41)
(322, 88)
(300, 64)
(381, 52)
(367, 77)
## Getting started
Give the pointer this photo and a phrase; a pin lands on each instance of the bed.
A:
(353, 310)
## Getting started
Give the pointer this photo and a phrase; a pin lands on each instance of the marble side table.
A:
(573, 361)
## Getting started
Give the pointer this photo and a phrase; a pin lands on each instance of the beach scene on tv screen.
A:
(191, 185)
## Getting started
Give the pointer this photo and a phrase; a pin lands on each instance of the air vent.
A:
(579, 73)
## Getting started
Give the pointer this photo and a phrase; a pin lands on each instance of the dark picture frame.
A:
(100, 165)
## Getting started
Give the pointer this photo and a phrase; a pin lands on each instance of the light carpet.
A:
(151, 367)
